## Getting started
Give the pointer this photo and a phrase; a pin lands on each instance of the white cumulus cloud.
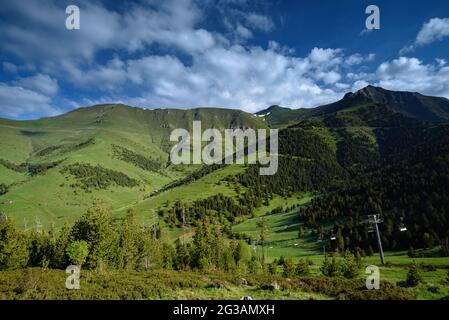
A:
(411, 74)
(40, 82)
(16, 101)
(433, 30)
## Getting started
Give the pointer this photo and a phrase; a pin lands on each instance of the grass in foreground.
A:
(36, 283)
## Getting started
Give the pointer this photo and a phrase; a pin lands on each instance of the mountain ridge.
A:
(410, 104)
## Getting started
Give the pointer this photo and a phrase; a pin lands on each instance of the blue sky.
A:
(215, 53)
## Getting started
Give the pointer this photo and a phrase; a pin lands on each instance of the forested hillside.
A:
(373, 151)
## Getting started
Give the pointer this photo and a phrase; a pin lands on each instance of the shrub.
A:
(77, 252)
(242, 252)
(302, 267)
(3, 189)
(273, 268)
(413, 276)
(330, 267)
(254, 266)
(289, 268)
(349, 267)
(281, 261)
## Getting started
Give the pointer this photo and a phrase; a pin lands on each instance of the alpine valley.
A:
(374, 151)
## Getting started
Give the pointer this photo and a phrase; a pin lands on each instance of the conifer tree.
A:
(413, 276)
(302, 268)
(130, 237)
(264, 231)
(182, 256)
(13, 246)
(59, 259)
(349, 268)
(96, 228)
(273, 268)
(289, 268)
(41, 248)
(330, 267)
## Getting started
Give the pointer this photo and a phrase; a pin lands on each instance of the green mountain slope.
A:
(113, 143)
(54, 168)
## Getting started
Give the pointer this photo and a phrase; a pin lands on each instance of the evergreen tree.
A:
(59, 259)
(349, 268)
(209, 249)
(41, 248)
(273, 268)
(302, 268)
(330, 267)
(13, 246)
(264, 230)
(182, 256)
(413, 276)
(168, 255)
(96, 228)
(289, 268)
(281, 261)
(254, 266)
(150, 254)
(130, 238)
(241, 251)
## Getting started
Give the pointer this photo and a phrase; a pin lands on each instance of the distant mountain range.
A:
(410, 104)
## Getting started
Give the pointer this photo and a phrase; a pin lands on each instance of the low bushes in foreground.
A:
(38, 283)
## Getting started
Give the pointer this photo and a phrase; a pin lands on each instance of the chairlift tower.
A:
(324, 241)
(376, 219)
